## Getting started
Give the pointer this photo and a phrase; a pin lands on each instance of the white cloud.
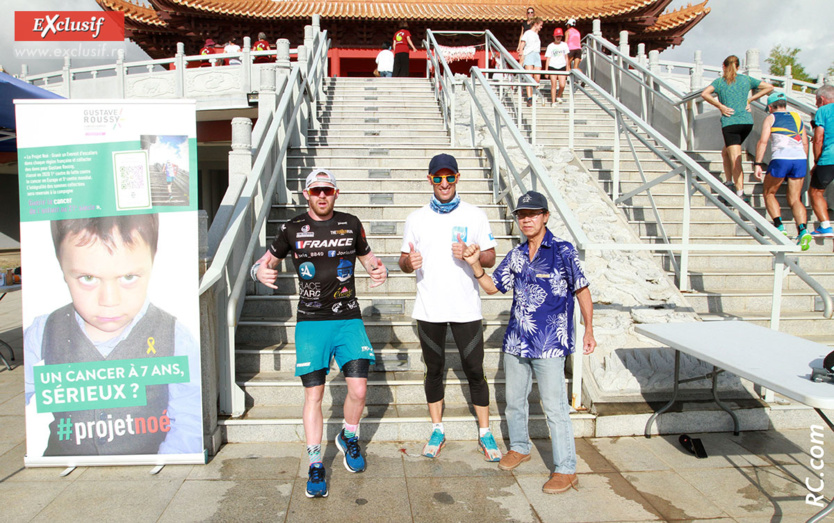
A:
(734, 26)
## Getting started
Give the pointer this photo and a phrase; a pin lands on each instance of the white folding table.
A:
(775, 360)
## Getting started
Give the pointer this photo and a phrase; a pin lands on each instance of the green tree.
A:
(781, 57)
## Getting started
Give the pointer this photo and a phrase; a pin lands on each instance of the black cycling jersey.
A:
(324, 255)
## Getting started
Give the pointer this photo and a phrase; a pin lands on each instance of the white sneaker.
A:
(554, 104)
(560, 100)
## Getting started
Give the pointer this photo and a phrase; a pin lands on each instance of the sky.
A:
(732, 27)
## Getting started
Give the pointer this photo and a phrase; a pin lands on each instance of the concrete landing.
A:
(758, 476)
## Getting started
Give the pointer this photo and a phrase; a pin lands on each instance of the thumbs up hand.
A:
(414, 257)
(472, 254)
(458, 247)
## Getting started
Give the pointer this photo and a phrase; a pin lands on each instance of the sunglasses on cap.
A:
(437, 179)
(321, 191)
(531, 12)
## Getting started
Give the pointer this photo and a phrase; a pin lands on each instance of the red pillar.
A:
(481, 56)
(335, 66)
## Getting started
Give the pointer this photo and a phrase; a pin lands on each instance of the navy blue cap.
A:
(443, 161)
(531, 200)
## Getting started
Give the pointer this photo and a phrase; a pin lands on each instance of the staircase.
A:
(377, 137)
(725, 286)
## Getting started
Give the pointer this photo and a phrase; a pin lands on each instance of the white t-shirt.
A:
(232, 48)
(446, 287)
(532, 42)
(558, 54)
(385, 61)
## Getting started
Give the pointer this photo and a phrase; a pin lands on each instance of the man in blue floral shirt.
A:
(544, 275)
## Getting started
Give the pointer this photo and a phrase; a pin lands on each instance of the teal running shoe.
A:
(436, 443)
(805, 240)
(316, 482)
(487, 446)
(354, 461)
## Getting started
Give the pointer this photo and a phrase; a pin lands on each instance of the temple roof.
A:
(498, 10)
(138, 14)
(158, 24)
(689, 15)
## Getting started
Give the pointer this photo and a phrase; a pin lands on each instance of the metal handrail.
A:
(228, 273)
(615, 51)
(745, 213)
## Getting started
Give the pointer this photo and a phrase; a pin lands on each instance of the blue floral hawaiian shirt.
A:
(541, 321)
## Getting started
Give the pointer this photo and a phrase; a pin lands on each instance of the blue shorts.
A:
(788, 168)
(533, 59)
(318, 342)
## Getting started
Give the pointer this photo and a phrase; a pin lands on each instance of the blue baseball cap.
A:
(775, 97)
(443, 161)
(531, 200)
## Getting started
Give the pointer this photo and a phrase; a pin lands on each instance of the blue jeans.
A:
(550, 374)
(386, 74)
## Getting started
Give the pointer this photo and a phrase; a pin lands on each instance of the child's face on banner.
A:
(108, 288)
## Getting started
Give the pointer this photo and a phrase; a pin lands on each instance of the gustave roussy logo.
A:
(69, 26)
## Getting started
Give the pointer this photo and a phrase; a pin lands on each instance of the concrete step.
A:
(416, 197)
(400, 151)
(378, 141)
(389, 388)
(351, 131)
(752, 301)
(388, 423)
(374, 228)
(434, 125)
(385, 212)
(375, 119)
(377, 159)
(810, 261)
(252, 359)
(408, 171)
(380, 330)
(371, 305)
(742, 278)
(397, 283)
(418, 182)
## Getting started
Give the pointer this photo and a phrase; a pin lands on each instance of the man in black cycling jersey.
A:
(325, 245)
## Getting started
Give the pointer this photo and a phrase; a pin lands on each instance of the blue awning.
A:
(13, 89)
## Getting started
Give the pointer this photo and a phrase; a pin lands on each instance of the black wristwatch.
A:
(763, 165)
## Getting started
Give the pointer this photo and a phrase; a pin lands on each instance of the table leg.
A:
(724, 406)
(666, 407)
(3, 358)
(4, 344)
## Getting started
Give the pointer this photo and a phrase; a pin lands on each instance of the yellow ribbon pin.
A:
(150, 346)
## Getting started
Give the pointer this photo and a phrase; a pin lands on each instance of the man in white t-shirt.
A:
(434, 240)
(556, 59)
(385, 61)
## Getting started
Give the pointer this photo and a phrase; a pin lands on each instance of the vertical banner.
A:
(109, 246)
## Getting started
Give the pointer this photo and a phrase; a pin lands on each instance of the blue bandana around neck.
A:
(444, 208)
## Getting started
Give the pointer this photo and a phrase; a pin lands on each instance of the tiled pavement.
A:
(758, 476)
